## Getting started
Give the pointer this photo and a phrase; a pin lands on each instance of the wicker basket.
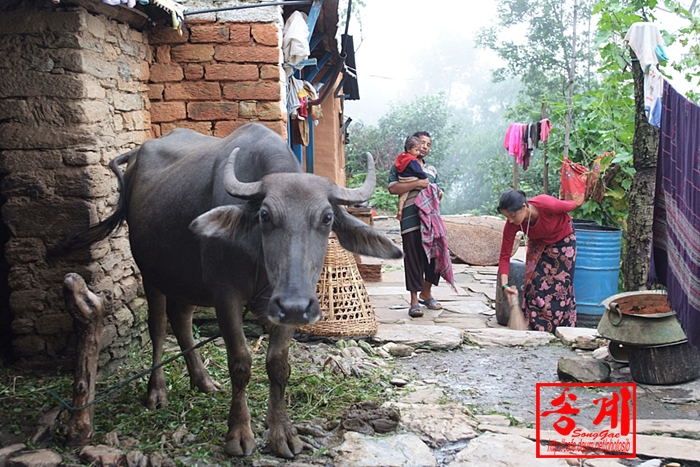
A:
(345, 304)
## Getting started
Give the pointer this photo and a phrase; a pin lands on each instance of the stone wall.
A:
(223, 72)
(73, 96)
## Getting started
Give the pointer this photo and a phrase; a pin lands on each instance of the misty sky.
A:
(399, 37)
(397, 52)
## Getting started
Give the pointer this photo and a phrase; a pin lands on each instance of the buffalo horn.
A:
(236, 188)
(357, 195)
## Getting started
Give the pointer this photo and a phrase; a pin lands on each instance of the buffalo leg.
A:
(157, 322)
(239, 439)
(283, 436)
(180, 316)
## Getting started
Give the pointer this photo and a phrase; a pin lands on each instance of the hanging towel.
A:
(295, 41)
(433, 232)
(646, 42)
(644, 38)
(653, 90)
(675, 254)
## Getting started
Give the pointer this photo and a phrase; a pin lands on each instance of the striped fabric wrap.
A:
(432, 232)
(675, 256)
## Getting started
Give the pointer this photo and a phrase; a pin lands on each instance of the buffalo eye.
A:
(264, 215)
(327, 219)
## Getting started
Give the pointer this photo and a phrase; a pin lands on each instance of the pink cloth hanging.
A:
(432, 232)
(514, 141)
(545, 128)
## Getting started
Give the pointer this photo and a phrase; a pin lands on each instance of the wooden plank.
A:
(313, 17)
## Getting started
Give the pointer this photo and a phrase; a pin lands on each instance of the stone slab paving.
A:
(38, 458)
(471, 306)
(425, 336)
(404, 450)
(439, 424)
(568, 335)
(676, 428)
(464, 322)
(663, 447)
(508, 337)
(421, 394)
(385, 288)
(602, 463)
(496, 449)
(489, 290)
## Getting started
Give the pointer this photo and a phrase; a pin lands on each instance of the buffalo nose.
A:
(295, 311)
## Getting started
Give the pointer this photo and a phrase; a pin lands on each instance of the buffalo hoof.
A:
(284, 442)
(156, 399)
(205, 384)
(240, 442)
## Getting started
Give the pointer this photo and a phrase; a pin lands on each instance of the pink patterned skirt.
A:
(549, 284)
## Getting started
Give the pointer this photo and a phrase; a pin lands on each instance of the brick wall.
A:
(216, 77)
(73, 96)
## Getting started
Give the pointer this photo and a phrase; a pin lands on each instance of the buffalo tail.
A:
(85, 237)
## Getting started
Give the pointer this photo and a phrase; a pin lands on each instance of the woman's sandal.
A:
(415, 312)
(431, 303)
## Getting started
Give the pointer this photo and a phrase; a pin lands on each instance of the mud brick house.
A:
(81, 82)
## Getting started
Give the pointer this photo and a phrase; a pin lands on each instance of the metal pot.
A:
(664, 364)
(640, 318)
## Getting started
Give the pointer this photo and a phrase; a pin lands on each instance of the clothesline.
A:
(522, 138)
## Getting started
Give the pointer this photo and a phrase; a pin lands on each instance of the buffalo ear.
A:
(359, 238)
(221, 222)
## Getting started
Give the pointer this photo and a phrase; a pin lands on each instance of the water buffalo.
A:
(225, 223)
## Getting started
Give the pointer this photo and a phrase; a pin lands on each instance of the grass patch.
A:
(312, 392)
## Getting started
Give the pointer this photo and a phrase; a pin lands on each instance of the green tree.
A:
(479, 137)
(426, 113)
(543, 59)
(367, 138)
(386, 141)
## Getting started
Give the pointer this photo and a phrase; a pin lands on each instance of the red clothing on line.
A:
(546, 127)
(552, 226)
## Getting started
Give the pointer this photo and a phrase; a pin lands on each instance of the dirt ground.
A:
(504, 380)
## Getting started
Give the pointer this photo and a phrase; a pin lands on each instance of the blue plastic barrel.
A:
(597, 270)
(581, 222)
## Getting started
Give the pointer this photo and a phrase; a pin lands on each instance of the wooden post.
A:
(544, 153)
(515, 175)
(645, 145)
(87, 310)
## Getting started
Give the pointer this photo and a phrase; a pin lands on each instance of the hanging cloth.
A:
(645, 40)
(595, 185)
(294, 87)
(514, 141)
(432, 232)
(176, 13)
(545, 128)
(675, 252)
(295, 41)
(580, 183)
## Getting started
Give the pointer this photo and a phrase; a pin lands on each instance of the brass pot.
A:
(640, 318)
